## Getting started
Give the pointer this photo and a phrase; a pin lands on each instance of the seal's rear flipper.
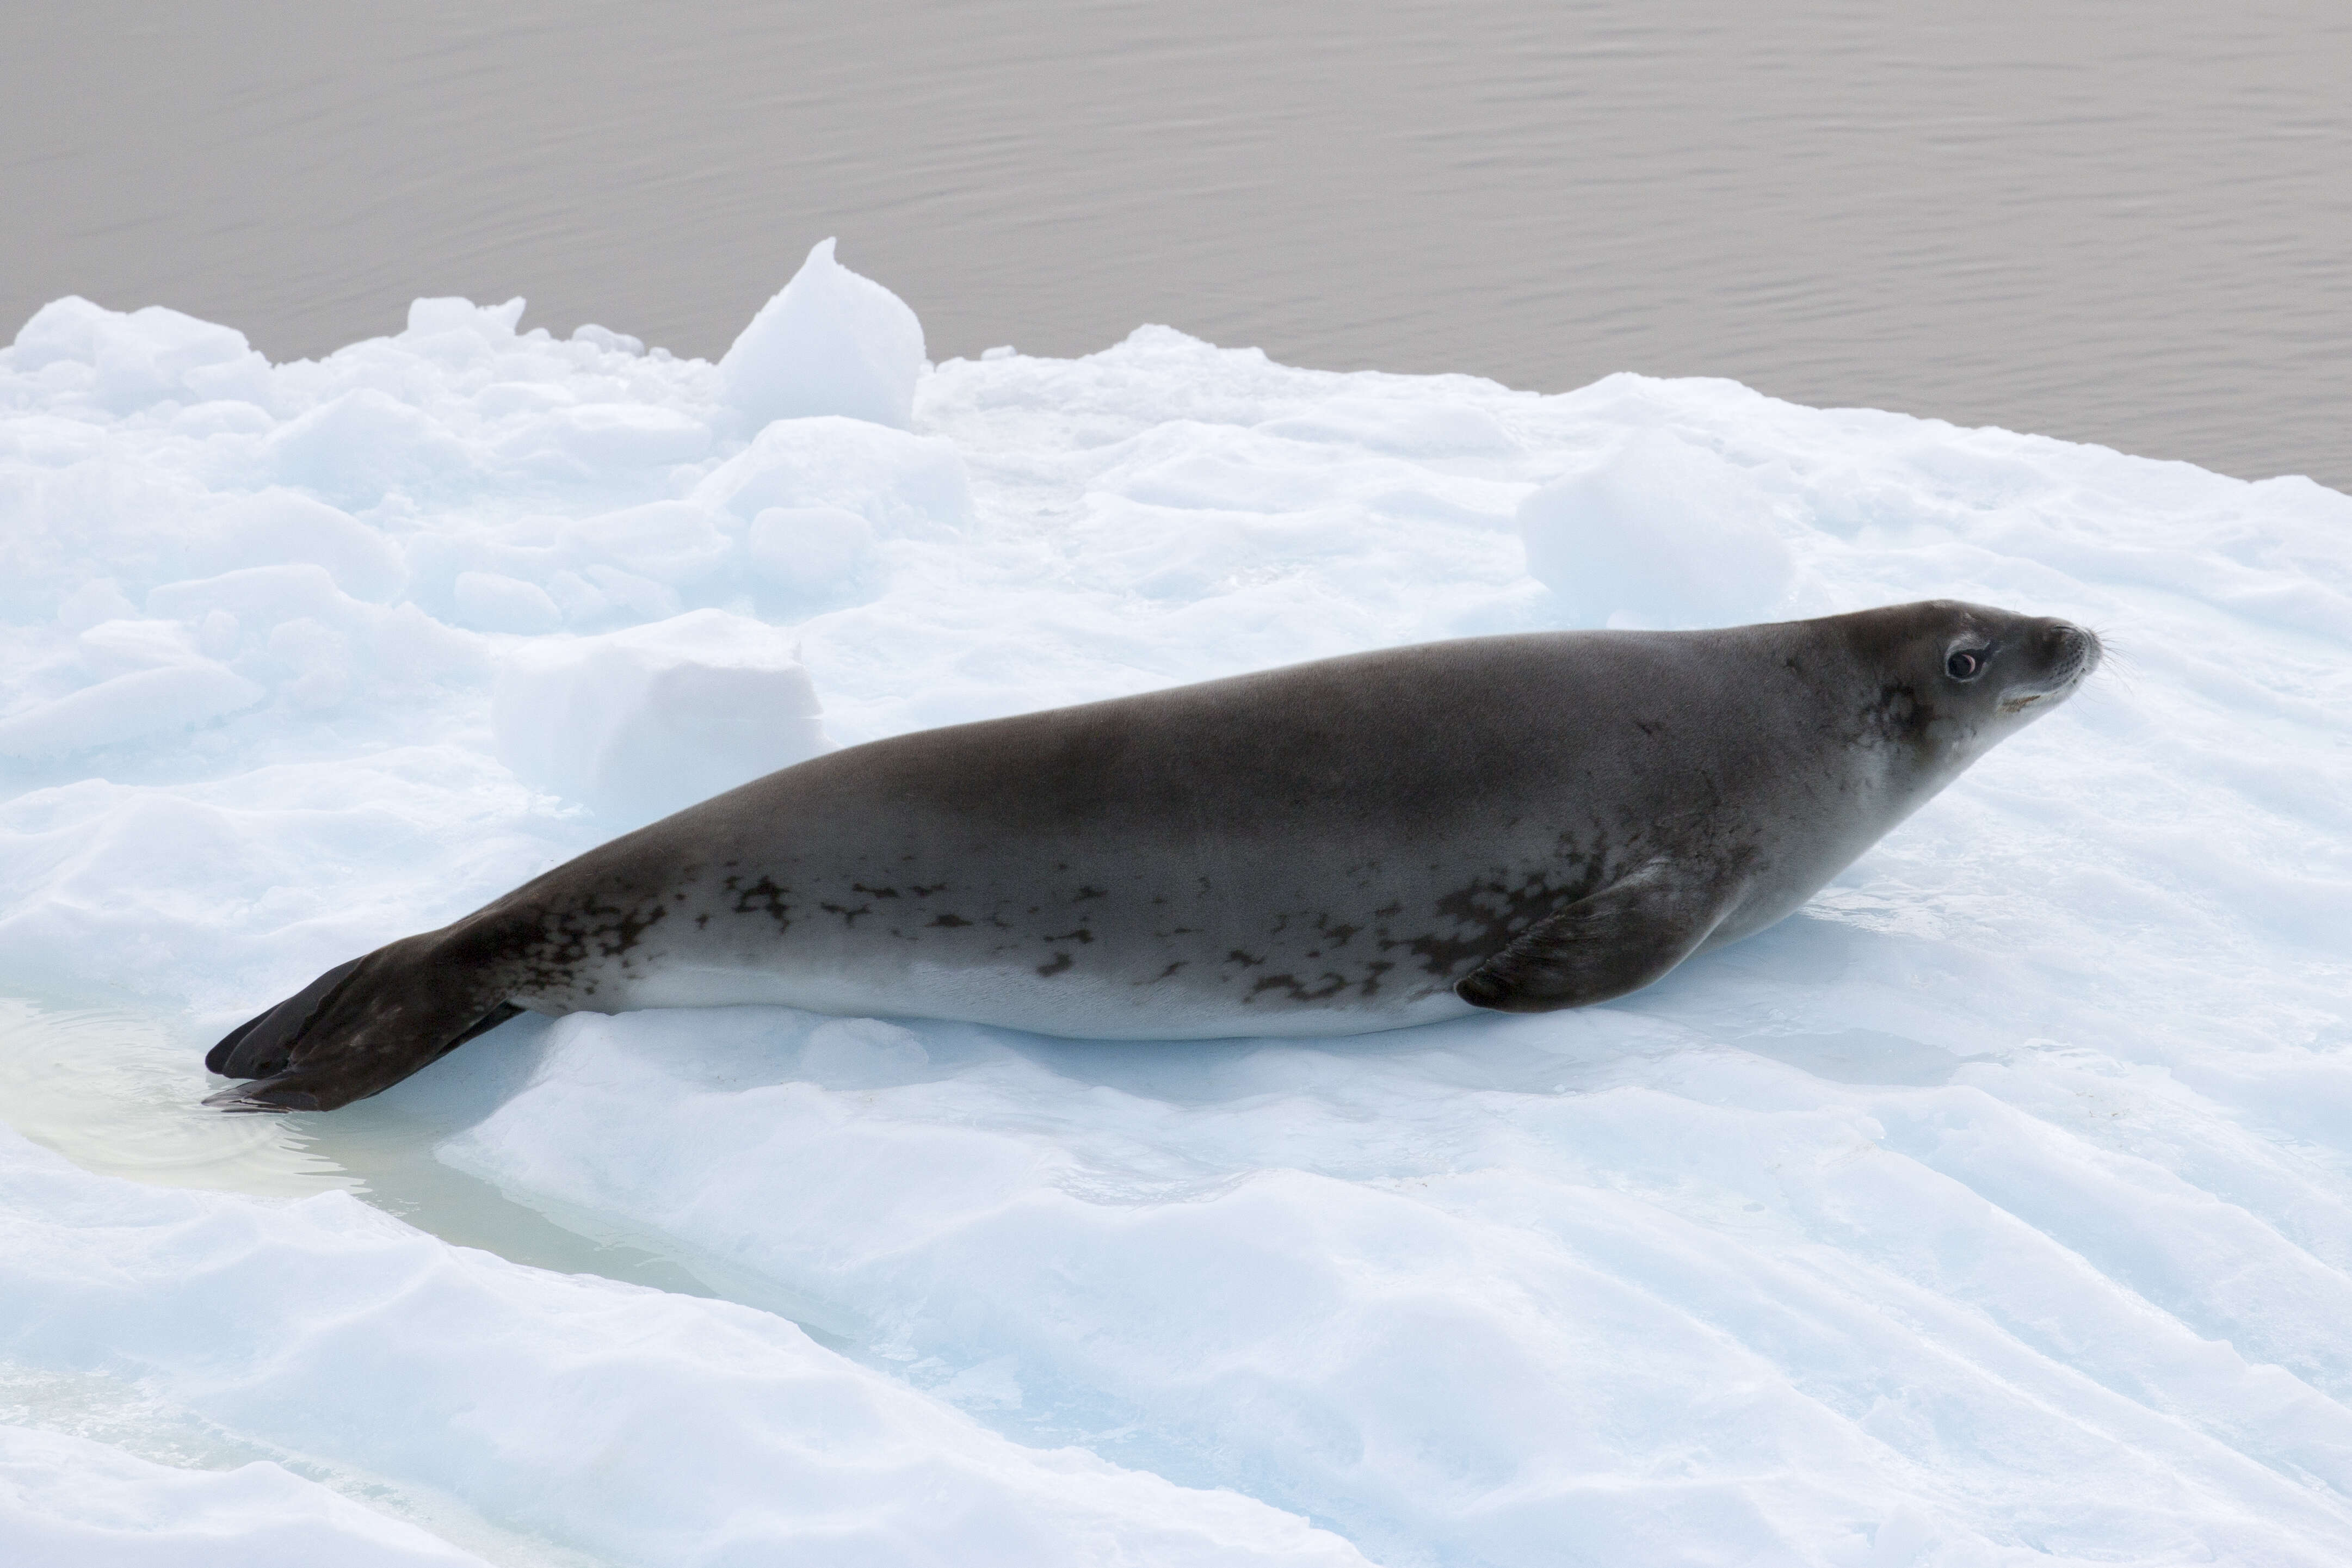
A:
(327, 1078)
(263, 1044)
(271, 1094)
(1619, 940)
(358, 1029)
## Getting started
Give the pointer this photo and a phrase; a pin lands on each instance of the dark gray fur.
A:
(1519, 823)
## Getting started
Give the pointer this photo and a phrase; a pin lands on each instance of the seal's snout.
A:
(2062, 656)
(2073, 651)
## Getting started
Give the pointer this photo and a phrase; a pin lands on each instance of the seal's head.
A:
(1957, 680)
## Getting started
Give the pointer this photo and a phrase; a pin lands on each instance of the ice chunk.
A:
(493, 602)
(829, 343)
(1659, 533)
(65, 330)
(361, 445)
(115, 648)
(143, 357)
(65, 1499)
(622, 439)
(317, 660)
(668, 541)
(155, 354)
(809, 549)
(610, 341)
(128, 707)
(907, 487)
(91, 602)
(280, 527)
(643, 722)
(457, 327)
(227, 616)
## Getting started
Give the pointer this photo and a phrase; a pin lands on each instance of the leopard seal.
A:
(1518, 823)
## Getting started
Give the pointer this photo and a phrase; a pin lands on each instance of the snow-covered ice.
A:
(638, 723)
(65, 1499)
(1996, 1208)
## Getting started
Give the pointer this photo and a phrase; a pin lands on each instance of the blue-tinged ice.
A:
(1995, 1209)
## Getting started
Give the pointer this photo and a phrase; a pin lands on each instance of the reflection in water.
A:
(116, 1091)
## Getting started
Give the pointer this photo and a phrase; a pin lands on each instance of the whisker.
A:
(2114, 659)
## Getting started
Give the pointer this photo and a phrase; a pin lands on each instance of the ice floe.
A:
(1995, 1209)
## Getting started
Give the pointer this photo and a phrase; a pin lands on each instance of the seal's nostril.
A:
(2074, 645)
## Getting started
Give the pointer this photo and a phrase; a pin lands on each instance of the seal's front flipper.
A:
(1619, 940)
(355, 1031)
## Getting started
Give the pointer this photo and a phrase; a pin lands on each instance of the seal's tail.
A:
(355, 1031)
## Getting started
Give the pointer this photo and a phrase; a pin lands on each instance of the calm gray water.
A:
(2128, 223)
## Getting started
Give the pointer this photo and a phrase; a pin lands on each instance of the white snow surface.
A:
(1995, 1209)
(67, 1500)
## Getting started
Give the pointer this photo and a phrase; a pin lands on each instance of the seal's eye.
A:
(1966, 664)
